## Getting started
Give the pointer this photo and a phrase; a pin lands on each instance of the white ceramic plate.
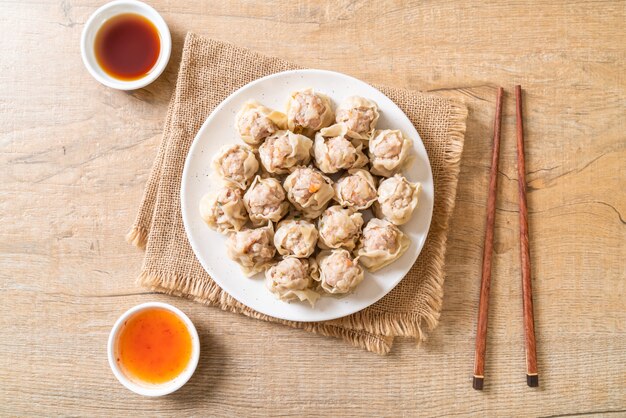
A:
(210, 246)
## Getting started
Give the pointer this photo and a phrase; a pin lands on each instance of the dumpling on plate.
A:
(339, 227)
(309, 191)
(292, 278)
(265, 201)
(381, 244)
(236, 164)
(339, 272)
(388, 151)
(397, 199)
(360, 116)
(283, 151)
(308, 111)
(335, 150)
(356, 189)
(223, 210)
(252, 249)
(255, 122)
(295, 237)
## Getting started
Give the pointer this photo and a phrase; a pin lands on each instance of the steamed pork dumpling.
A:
(265, 201)
(295, 237)
(236, 164)
(356, 189)
(255, 122)
(308, 111)
(382, 243)
(292, 278)
(397, 199)
(334, 150)
(284, 150)
(388, 150)
(309, 191)
(252, 249)
(360, 116)
(224, 210)
(339, 272)
(340, 227)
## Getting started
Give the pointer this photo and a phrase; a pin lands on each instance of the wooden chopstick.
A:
(485, 283)
(532, 377)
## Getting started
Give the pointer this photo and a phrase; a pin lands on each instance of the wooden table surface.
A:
(75, 157)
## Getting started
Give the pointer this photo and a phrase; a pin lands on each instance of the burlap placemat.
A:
(210, 71)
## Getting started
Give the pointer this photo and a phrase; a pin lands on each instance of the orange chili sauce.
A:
(154, 346)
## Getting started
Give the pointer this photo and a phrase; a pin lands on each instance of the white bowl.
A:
(147, 389)
(94, 23)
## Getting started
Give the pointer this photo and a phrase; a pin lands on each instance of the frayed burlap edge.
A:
(137, 236)
(359, 328)
(209, 293)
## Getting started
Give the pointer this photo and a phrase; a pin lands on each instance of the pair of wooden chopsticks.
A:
(532, 377)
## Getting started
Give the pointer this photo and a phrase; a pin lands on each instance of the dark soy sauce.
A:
(127, 46)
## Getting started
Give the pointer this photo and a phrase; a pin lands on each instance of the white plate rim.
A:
(184, 179)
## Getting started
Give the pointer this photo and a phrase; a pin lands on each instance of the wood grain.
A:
(76, 155)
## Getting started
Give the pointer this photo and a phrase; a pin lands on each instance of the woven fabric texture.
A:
(209, 72)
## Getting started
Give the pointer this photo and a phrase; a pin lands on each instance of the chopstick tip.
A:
(477, 382)
(532, 380)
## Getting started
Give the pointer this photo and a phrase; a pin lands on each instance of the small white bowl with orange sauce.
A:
(153, 349)
(126, 44)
